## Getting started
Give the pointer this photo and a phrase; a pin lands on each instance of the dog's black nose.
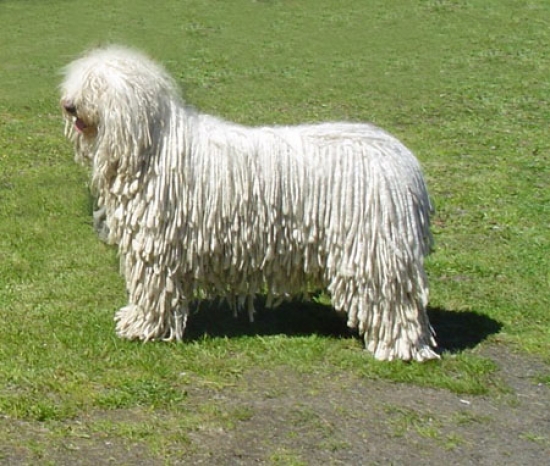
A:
(69, 107)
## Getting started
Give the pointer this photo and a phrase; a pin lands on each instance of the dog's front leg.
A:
(156, 309)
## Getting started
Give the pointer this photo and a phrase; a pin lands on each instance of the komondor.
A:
(203, 208)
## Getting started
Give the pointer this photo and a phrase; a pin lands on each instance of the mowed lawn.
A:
(464, 84)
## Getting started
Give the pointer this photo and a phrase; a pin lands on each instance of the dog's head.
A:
(113, 99)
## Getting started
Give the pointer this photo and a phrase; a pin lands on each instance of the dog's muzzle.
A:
(69, 107)
(80, 126)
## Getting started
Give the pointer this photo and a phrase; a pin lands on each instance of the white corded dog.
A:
(201, 207)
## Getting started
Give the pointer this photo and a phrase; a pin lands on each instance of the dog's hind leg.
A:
(390, 316)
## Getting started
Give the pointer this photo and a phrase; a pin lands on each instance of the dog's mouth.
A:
(82, 128)
(79, 124)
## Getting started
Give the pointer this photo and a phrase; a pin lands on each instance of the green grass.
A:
(463, 83)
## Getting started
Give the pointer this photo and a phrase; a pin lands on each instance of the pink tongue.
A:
(80, 125)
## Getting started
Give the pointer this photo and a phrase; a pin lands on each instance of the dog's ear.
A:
(124, 129)
(130, 101)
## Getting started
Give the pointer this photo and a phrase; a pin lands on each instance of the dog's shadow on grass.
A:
(456, 331)
(293, 318)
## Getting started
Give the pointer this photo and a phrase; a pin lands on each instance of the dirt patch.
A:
(302, 420)
(281, 417)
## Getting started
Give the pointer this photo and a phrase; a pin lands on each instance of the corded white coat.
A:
(200, 208)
